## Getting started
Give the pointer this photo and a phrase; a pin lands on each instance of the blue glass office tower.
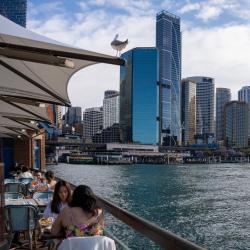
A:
(139, 96)
(15, 10)
(168, 42)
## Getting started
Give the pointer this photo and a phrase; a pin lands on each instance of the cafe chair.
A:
(10, 180)
(14, 187)
(22, 218)
(13, 195)
(90, 243)
(26, 183)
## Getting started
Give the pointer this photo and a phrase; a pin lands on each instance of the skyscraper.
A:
(111, 108)
(244, 96)
(15, 10)
(74, 115)
(188, 111)
(223, 95)
(139, 96)
(236, 124)
(204, 104)
(168, 42)
(92, 121)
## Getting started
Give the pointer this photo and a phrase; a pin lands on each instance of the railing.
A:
(160, 236)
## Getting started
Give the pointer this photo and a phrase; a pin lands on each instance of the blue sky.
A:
(215, 35)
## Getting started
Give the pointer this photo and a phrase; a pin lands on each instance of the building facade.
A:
(188, 111)
(15, 10)
(92, 122)
(139, 96)
(168, 42)
(111, 108)
(108, 135)
(205, 101)
(244, 96)
(73, 115)
(223, 95)
(236, 124)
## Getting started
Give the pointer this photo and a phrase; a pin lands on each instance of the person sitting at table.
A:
(25, 173)
(60, 200)
(83, 217)
(38, 180)
(51, 182)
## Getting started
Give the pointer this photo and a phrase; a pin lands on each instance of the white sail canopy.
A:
(34, 67)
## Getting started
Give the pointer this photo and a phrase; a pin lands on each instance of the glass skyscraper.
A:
(236, 124)
(139, 96)
(15, 10)
(168, 42)
(244, 96)
(204, 104)
(223, 95)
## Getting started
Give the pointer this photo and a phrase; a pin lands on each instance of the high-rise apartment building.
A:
(92, 121)
(188, 111)
(244, 96)
(168, 42)
(236, 124)
(223, 95)
(15, 10)
(73, 115)
(139, 96)
(204, 104)
(111, 108)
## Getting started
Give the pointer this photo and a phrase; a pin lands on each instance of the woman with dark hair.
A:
(61, 199)
(83, 217)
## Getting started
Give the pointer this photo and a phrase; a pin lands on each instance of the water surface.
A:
(207, 204)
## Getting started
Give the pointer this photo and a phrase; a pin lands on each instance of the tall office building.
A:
(168, 42)
(223, 95)
(111, 108)
(139, 96)
(236, 124)
(15, 10)
(204, 104)
(73, 115)
(188, 111)
(244, 96)
(92, 121)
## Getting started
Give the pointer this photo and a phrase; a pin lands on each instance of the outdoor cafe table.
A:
(41, 203)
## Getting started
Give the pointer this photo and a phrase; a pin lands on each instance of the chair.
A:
(43, 195)
(13, 195)
(13, 187)
(26, 183)
(10, 180)
(90, 243)
(19, 218)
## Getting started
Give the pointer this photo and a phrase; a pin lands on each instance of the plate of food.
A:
(45, 222)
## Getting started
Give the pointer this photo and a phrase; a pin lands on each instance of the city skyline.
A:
(215, 36)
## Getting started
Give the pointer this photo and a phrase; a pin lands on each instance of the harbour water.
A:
(207, 204)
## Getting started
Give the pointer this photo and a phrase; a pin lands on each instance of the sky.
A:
(215, 38)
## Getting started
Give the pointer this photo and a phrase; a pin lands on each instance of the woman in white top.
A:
(61, 198)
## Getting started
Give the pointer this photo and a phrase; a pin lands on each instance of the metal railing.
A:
(160, 236)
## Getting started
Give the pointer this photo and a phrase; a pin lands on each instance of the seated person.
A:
(38, 179)
(61, 198)
(51, 182)
(82, 218)
(25, 173)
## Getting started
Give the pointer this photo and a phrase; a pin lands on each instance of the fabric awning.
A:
(36, 68)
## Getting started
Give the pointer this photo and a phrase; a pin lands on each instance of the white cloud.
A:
(209, 12)
(219, 53)
(189, 7)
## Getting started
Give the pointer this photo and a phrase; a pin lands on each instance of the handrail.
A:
(161, 236)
